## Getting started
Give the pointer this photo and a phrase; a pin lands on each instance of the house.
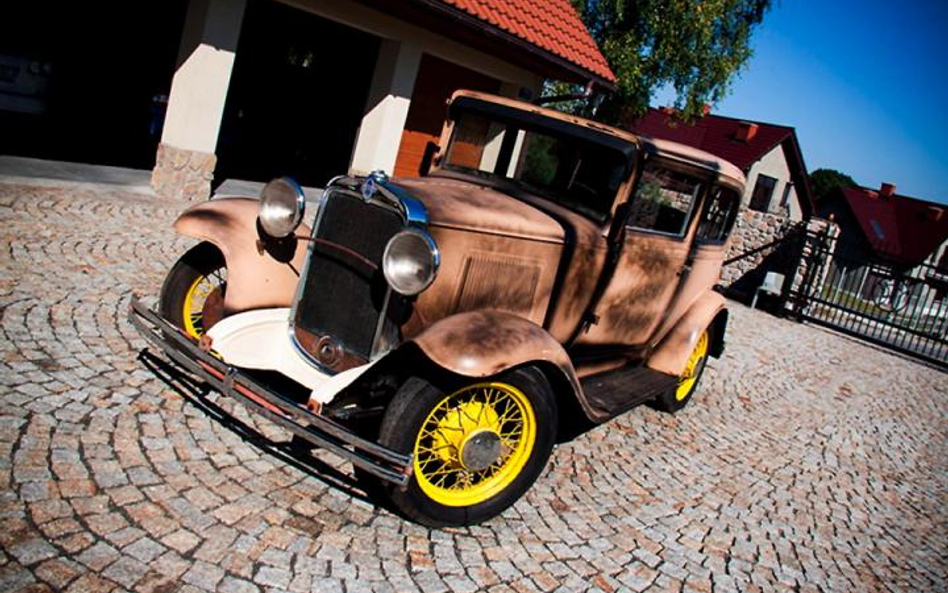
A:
(884, 235)
(768, 154)
(202, 89)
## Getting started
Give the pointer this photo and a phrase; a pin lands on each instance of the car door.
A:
(652, 257)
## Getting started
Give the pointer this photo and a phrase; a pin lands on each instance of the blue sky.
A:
(864, 83)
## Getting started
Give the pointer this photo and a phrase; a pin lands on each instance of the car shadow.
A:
(294, 453)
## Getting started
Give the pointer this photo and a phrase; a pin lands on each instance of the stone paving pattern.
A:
(807, 462)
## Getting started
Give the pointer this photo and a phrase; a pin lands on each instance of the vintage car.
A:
(437, 331)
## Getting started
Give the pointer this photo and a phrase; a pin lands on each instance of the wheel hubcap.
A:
(480, 450)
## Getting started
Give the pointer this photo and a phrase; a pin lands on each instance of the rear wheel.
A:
(192, 296)
(678, 397)
(477, 446)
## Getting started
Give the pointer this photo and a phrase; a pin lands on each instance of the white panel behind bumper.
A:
(261, 339)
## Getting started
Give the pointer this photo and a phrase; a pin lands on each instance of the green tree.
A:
(823, 181)
(695, 46)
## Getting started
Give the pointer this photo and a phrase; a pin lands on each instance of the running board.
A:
(614, 392)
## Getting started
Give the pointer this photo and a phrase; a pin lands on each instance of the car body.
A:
(544, 266)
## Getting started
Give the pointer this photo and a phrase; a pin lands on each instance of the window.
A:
(763, 192)
(719, 216)
(581, 175)
(662, 200)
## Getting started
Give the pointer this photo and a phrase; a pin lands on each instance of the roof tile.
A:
(899, 227)
(551, 25)
(714, 134)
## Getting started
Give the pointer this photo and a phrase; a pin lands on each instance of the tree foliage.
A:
(823, 181)
(695, 46)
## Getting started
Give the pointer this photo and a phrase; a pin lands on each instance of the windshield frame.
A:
(517, 121)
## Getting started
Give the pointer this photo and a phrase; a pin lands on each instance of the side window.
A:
(763, 192)
(663, 200)
(719, 216)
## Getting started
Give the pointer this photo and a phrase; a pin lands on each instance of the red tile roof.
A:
(899, 228)
(714, 134)
(719, 135)
(551, 25)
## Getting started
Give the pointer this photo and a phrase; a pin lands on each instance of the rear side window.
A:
(719, 216)
(663, 199)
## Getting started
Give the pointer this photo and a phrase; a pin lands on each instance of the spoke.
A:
(476, 420)
(509, 414)
(511, 437)
(445, 470)
(480, 413)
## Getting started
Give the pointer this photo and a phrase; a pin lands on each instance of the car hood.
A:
(464, 205)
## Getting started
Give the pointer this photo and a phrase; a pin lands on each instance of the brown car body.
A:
(562, 261)
(520, 278)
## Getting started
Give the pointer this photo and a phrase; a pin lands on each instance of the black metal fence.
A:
(846, 286)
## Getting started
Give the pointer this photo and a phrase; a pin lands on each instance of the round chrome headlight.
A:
(281, 207)
(410, 262)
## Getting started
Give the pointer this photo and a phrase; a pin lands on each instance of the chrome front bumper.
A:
(320, 431)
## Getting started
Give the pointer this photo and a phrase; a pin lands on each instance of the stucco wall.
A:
(774, 164)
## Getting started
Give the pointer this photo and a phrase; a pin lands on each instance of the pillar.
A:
(185, 162)
(380, 132)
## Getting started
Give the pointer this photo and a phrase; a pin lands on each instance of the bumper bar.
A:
(320, 431)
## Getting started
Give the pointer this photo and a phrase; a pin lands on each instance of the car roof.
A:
(696, 156)
(658, 147)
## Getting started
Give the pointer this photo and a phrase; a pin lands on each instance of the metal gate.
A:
(846, 286)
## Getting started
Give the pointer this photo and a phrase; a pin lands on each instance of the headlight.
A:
(410, 263)
(281, 207)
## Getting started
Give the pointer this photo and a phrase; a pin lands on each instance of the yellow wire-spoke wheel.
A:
(192, 307)
(474, 443)
(688, 378)
(199, 275)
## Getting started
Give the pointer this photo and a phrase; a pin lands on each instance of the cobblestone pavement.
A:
(808, 462)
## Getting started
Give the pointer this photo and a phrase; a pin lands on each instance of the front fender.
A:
(259, 274)
(672, 353)
(483, 343)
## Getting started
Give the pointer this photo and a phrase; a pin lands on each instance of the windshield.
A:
(571, 170)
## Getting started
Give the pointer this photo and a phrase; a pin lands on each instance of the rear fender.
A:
(480, 344)
(672, 353)
(260, 273)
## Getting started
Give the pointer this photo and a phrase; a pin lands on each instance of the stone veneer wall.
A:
(753, 229)
(183, 174)
(813, 268)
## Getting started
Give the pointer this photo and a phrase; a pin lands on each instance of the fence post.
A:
(817, 237)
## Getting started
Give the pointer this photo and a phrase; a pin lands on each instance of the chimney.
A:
(667, 110)
(887, 190)
(705, 110)
(746, 131)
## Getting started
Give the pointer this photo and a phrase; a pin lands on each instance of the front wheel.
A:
(477, 447)
(678, 397)
(192, 296)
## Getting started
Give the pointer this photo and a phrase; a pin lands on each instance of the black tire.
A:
(203, 261)
(410, 408)
(669, 401)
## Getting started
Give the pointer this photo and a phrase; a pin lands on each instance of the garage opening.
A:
(296, 97)
(87, 81)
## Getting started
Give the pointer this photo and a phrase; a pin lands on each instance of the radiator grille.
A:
(344, 289)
